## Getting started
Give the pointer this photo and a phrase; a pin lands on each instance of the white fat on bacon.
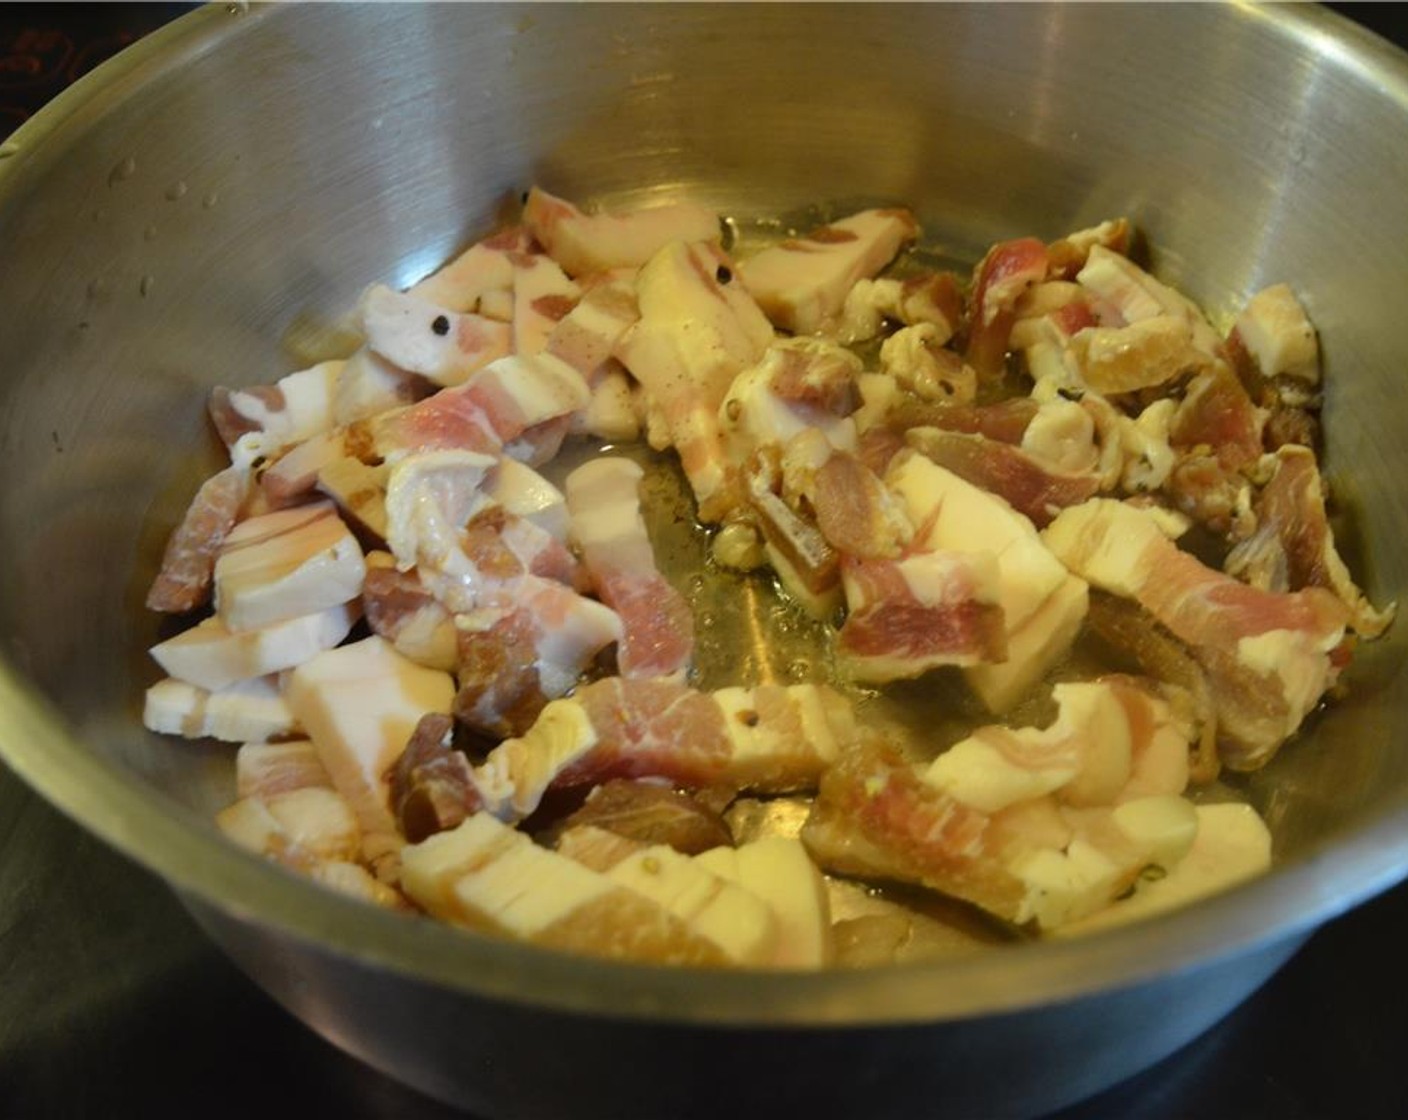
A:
(657, 625)
(1043, 604)
(263, 769)
(713, 906)
(1229, 844)
(247, 711)
(490, 877)
(525, 493)
(480, 273)
(802, 283)
(1278, 335)
(419, 337)
(430, 497)
(542, 295)
(1123, 293)
(586, 243)
(1111, 741)
(367, 385)
(359, 704)
(286, 564)
(266, 418)
(778, 870)
(212, 656)
(694, 336)
(586, 337)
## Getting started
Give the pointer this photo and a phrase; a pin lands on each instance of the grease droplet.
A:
(96, 288)
(149, 234)
(210, 200)
(145, 285)
(123, 171)
(99, 214)
(176, 190)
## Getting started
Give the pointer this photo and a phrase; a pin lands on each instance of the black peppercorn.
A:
(441, 326)
(724, 274)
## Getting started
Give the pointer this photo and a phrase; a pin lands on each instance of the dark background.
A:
(113, 1005)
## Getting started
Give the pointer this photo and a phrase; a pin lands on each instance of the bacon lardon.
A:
(907, 616)
(802, 283)
(1269, 656)
(771, 738)
(657, 637)
(697, 331)
(481, 270)
(583, 243)
(1008, 471)
(1293, 547)
(420, 337)
(188, 564)
(1005, 273)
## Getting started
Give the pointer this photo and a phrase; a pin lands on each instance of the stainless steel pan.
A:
(202, 209)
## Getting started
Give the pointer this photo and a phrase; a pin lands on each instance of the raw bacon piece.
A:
(1268, 655)
(587, 336)
(287, 412)
(770, 738)
(542, 298)
(402, 610)
(1008, 270)
(1217, 414)
(1042, 604)
(855, 512)
(657, 624)
(1124, 293)
(583, 243)
(1130, 630)
(188, 564)
(1007, 471)
(484, 268)
(1141, 355)
(875, 817)
(802, 385)
(432, 785)
(1068, 255)
(646, 812)
(1293, 547)
(905, 617)
(264, 769)
(802, 283)
(1113, 740)
(435, 342)
(500, 692)
(284, 565)
(369, 384)
(696, 333)
(359, 704)
(496, 406)
(490, 877)
(1276, 334)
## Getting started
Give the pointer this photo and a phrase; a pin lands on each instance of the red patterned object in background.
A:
(44, 48)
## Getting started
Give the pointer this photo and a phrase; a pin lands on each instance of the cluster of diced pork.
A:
(391, 578)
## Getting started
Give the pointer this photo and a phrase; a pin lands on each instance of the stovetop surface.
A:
(113, 1004)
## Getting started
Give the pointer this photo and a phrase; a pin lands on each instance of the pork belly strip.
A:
(770, 738)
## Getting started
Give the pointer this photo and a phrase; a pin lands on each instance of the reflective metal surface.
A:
(202, 211)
